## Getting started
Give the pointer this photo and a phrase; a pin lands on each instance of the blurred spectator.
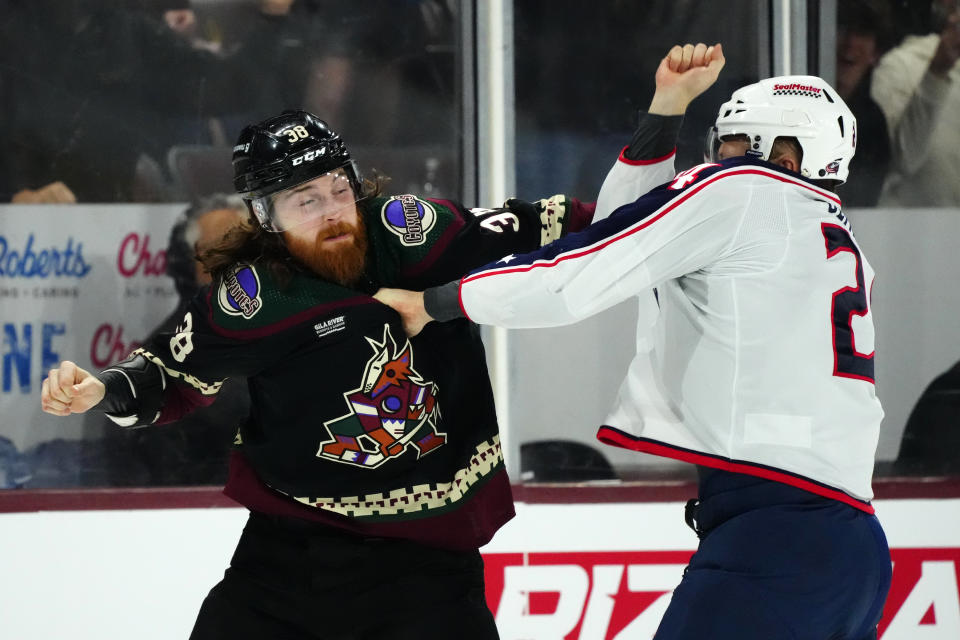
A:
(268, 43)
(182, 19)
(864, 33)
(359, 64)
(194, 450)
(98, 91)
(559, 143)
(14, 466)
(917, 84)
(53, 193)
(201, 227)
(931, 439)
(119, 84)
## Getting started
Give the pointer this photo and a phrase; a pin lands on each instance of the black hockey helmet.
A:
(285, 151)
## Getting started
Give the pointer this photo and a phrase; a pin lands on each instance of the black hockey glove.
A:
(553, 212)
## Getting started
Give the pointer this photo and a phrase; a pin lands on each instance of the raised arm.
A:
(684, 73)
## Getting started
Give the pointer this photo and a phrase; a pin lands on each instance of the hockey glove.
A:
(553, 212)
(554, 217)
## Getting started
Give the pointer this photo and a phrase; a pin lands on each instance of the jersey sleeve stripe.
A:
(591, 244)
(286, 323)
(799, 183)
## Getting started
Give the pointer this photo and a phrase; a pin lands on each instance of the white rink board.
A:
(142, 574)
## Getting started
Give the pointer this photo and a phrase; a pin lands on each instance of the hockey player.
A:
(370, 463)
(755, 348)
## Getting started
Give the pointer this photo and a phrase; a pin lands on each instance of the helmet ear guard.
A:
(802, 107)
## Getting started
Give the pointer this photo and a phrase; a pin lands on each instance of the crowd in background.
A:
(124, 92)
(131, 100)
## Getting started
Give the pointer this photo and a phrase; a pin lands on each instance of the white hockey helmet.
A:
(803, 107)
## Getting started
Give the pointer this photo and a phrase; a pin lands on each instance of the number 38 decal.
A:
(847, 303)
(298, 132)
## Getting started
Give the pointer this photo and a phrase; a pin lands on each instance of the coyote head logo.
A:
(392, 410)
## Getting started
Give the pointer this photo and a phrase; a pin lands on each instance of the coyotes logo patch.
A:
(392, 410)
(239, 293)
(409, 218)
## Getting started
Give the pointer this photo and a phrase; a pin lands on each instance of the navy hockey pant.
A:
(776, 562)
(294, 580)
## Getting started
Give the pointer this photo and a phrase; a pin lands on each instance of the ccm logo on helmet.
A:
(796, 89)
(309, 156)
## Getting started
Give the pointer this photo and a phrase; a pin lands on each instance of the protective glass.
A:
(307, 204)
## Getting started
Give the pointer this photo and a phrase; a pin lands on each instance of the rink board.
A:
(572, 571)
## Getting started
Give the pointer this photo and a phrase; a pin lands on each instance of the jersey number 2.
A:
(847, 303)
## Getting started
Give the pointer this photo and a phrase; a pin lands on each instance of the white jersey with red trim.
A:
(756, 356)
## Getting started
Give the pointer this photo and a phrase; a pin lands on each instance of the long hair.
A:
(250, 243)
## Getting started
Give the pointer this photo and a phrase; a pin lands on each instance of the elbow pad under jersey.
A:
(134, 392)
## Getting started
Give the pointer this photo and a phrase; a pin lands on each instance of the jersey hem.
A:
(617, 438)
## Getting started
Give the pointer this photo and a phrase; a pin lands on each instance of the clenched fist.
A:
(70, 389)
(684, 73)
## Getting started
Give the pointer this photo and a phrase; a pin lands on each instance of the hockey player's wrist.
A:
(656, 136)
(443, 303)
(669, 104)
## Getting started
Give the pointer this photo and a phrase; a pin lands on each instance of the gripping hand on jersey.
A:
(409, 304)
(554, 217)
(684, 73)
(70, 389)
(554, 214)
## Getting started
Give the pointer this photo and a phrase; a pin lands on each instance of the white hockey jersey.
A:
(757, 353)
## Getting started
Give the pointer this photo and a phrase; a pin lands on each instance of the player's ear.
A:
(788, 162)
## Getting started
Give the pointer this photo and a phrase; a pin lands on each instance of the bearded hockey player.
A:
(370, 463)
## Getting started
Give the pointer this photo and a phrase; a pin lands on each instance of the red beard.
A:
(341, 262)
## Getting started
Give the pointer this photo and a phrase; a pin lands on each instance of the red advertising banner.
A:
(612, 595)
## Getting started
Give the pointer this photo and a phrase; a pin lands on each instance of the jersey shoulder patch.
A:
(411, 221)
(249, 297)
(405, 230)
